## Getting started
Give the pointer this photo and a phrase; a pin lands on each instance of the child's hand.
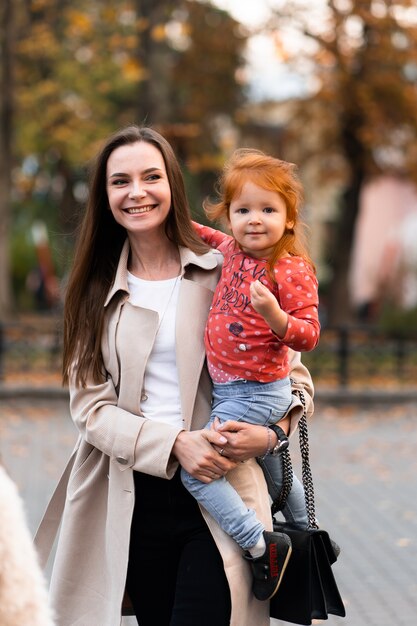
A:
(262, 300)
(265, 303)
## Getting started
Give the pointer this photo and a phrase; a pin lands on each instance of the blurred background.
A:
(330, 85)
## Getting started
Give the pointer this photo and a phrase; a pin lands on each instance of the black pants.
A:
(175, 574)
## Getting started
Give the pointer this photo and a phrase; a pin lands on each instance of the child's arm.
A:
(297, 326)
(212, 237)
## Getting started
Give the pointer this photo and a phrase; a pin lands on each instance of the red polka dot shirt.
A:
(239, 343)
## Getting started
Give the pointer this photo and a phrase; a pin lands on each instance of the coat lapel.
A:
(136, 338)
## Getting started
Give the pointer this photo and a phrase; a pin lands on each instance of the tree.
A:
(85, 68)
(6, 118)
(191, 53)
(364, 107)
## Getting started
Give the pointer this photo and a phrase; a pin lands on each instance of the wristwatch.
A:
(282, 443)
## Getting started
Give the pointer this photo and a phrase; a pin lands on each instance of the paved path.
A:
(365, 469)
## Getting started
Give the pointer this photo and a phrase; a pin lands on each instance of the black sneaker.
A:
(269, 568)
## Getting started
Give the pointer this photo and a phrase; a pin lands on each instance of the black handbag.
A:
(308, 589)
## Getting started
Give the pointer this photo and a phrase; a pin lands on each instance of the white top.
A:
(160, 399)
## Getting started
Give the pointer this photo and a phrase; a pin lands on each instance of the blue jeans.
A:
(255, 403)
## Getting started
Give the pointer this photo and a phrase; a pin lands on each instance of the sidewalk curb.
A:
(53, 392)
(365, 397)
(332, 396)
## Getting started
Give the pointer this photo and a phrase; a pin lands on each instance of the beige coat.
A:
(90, 567)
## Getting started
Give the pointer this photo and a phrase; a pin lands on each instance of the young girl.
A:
(265, 303)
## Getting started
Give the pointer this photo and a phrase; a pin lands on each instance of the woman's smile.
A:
(141, 209)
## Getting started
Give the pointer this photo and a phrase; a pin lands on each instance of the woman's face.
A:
(138, 189)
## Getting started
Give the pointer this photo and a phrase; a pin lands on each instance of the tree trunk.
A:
(339, 306)
(6, 114)
(154, 102)
(358, 158)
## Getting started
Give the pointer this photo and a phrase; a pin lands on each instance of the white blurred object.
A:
(23, 593)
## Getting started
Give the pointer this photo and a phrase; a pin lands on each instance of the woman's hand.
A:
(198, 452)
(245, 441)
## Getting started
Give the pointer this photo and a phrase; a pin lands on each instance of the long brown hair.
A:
(99, 244)
(270, 173)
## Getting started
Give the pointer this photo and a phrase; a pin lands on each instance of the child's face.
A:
(258, 219)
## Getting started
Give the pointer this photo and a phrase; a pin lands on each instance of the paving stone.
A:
(364, 465)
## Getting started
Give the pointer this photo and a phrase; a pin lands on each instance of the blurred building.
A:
(384, 256)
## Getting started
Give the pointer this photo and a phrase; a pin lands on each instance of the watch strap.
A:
(283, 441)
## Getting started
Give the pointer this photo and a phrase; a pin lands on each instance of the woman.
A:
(136, 308)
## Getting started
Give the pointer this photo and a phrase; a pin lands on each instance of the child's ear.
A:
(289, 224)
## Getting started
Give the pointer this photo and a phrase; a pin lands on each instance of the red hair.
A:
(249, 165)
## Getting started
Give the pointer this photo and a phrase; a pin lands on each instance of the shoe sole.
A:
(284, 567)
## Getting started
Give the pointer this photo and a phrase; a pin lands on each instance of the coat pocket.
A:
(88, 465)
